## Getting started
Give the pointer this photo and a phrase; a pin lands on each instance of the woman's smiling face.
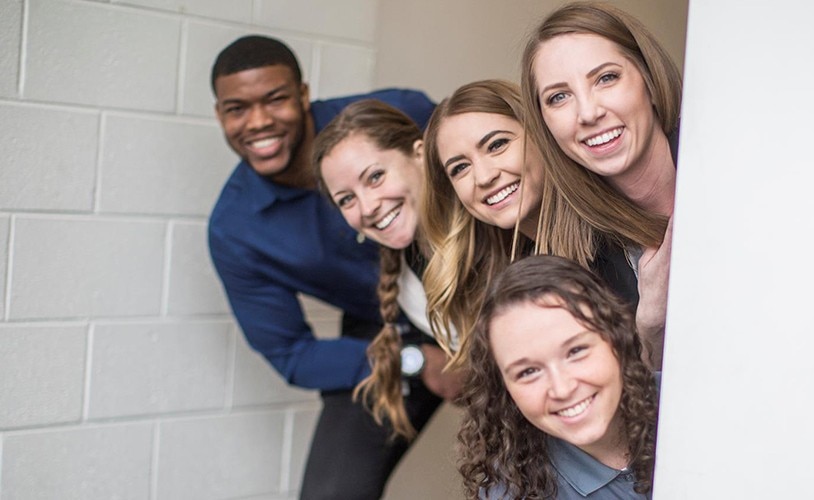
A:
(596, 104)
(378, 191)
(484, 156)
(563, 377)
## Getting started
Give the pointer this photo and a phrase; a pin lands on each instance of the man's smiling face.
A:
(262, 112)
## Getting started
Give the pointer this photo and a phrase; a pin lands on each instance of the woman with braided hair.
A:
(369, 161)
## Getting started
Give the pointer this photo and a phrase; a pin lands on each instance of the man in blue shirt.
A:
(272, 236)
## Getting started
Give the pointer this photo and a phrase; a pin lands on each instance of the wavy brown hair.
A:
(388, 128)
(467, 253)
(498, 446)
(592, 197)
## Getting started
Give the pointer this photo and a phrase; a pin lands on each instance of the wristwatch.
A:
(412, 361)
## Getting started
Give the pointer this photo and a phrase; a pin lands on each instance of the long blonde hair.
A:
(590, 195)
(467, 253)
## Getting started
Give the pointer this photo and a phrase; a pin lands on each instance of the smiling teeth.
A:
(382, 224)
(576, 409)
(264, 143)
(502, 194)
(604, 138)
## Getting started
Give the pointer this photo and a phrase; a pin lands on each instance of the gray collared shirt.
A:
(579, 475)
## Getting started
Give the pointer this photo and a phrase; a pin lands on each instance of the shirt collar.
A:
(262, 192)
(580, 470)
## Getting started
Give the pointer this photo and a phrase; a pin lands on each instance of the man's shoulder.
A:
(413, 103)
(233, 197)
(393, 95)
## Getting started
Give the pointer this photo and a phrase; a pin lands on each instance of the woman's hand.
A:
(651, 314)
(445, 385)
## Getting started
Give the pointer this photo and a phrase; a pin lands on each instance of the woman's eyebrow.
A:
(577, 337)
(491, 134)
(453, 160)
(599, 68)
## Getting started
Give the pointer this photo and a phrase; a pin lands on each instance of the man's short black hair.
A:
(254, 51)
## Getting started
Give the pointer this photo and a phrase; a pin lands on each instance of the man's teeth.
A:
(264, 143)
(382, 224)
(576, 409)
(502, 194)
(604, 138)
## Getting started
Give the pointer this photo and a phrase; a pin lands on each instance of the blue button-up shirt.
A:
(269, 242)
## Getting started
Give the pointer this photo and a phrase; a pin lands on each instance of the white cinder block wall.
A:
(122, 373)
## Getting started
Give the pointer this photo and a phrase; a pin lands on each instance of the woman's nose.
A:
(562, 384)
(368, 206)
(485, 175)
(589, 109)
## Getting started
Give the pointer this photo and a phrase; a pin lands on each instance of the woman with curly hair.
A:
(369, 161)
(602, 98)
(484, 184)
(558, 402)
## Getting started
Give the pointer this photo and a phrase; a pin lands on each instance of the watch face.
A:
(412, 360)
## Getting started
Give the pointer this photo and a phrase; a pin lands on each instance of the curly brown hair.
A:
(498, 446)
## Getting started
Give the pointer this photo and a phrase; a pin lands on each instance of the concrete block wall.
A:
(122, 372)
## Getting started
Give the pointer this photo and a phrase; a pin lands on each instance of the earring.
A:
(360, 238)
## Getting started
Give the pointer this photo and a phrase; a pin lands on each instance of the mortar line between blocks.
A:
(255, 11)
(182, 66)
(288, 445)
(12, 222)
(316, 62)
(1, 464)
(23, 49)
(154, 461)
(100, 146)
(88, 368)
(165, 279)
(231, 368)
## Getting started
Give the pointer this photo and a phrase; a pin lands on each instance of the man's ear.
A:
(220, 114)
(305, 97)
(217, 112)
